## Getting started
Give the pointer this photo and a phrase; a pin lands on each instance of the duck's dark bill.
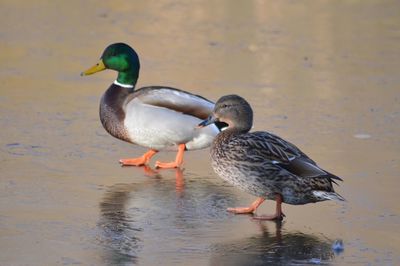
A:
(208, 121)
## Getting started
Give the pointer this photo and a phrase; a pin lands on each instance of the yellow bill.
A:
(96, 68)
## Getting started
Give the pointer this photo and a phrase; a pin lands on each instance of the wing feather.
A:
(175, 99)
(263, 146)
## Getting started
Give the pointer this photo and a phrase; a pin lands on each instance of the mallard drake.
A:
(156, 117)
(264, 164)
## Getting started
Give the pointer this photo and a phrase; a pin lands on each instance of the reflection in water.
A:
(184, 221)
(162, 212)
(119, 237)
(280, 248)
(179, 181)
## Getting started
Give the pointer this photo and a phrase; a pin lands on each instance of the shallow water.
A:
(323, 75)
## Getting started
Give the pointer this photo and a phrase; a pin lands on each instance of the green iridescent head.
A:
(119, 57)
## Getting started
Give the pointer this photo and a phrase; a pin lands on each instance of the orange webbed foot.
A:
(178, 160)
(251, 209)
(138, 161)
(241, 210)
(278, 216)
(167, 165)
(133, 162)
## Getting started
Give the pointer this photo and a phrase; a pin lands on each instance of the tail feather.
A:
(332, 176)
(325, 195)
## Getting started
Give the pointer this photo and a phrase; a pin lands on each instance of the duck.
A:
(156, 117)
(264, 164)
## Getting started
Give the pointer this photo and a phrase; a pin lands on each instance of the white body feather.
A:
(162, 128)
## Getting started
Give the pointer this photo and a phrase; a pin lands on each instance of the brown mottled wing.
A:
(175, 99)
(263, 145)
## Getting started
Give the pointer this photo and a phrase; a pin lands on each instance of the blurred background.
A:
(321, 74)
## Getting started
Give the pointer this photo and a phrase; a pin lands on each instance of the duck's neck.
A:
(227, 133)
(235, 131)
(128, 87)
(127, 79)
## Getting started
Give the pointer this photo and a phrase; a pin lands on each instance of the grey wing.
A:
(175, 99)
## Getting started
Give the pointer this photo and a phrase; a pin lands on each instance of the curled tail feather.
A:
(325, 195)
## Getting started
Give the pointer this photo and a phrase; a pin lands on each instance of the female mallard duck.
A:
(156, 117)
(264, 164)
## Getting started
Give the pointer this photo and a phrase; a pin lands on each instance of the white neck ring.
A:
(128, 86)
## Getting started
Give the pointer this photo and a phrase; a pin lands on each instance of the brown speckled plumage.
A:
(247, 161)
(262, 163)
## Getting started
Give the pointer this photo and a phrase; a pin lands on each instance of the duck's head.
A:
(232, 110)
(119, 57)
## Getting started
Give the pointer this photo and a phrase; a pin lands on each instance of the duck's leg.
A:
(178, 160)
(278, 213)
(251, 209)
(140, 160)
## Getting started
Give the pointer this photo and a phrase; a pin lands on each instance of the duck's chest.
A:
(231, 165)
(242, 177)
(112, 114)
